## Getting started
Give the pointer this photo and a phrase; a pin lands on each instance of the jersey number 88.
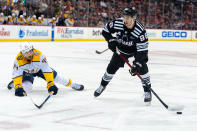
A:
(143, 37)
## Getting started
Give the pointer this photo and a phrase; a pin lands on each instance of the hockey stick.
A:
(40, 106)
(100, 52)
(174, 108)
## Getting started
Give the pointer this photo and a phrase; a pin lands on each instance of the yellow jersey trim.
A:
(48, 76)
(22, 61)
(18, 82)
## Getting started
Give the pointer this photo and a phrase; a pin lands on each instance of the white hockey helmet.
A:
(26, 47)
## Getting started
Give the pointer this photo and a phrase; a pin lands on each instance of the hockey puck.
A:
(179, 113)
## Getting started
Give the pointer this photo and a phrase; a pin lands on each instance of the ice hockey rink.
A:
(173, 71)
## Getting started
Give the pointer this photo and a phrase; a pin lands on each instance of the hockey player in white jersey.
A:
(30, 63)
(131, 41)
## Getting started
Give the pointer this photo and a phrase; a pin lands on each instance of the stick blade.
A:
(176, 108)
(98, 52)
(37, 106)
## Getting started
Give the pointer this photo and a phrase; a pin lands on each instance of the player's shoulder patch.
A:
(19, 57)
(37, 55)
(37, 52)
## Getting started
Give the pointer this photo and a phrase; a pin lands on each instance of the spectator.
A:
(52, 22)
(42, 18)
(21, 11)
(103, 4)
(40, 22)
(9, 20)
(61, 21)
(69, 21)
(38, 13)
(14, 19)
(173, 14)
(21, 20)
(26, 18)
(2, 18)
(33, 20)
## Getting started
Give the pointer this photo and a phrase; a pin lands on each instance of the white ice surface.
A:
(173, 71)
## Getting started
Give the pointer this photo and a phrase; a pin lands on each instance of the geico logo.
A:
(175, 34)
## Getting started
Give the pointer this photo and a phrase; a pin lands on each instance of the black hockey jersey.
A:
(130, 41)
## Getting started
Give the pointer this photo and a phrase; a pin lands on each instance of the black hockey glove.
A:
(112, 43)
(135, 68)
(52, 88)
(20, 91)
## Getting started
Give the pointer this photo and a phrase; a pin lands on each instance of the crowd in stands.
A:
(154, 14)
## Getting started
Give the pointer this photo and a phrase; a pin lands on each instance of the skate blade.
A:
(147, 103)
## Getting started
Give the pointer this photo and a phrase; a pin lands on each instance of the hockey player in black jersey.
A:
(131, 40)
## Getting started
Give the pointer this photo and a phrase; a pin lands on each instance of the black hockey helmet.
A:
(130, 11)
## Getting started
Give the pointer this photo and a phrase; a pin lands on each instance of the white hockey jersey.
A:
(38, 62)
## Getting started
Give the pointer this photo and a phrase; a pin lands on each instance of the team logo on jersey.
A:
(127, 43)
(36, 53)
(20, 57)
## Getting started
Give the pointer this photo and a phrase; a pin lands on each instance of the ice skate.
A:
(99, 90)
(147, 98)
(10, 85)
(77, 87)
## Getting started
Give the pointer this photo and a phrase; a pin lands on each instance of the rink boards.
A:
(14, 33)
